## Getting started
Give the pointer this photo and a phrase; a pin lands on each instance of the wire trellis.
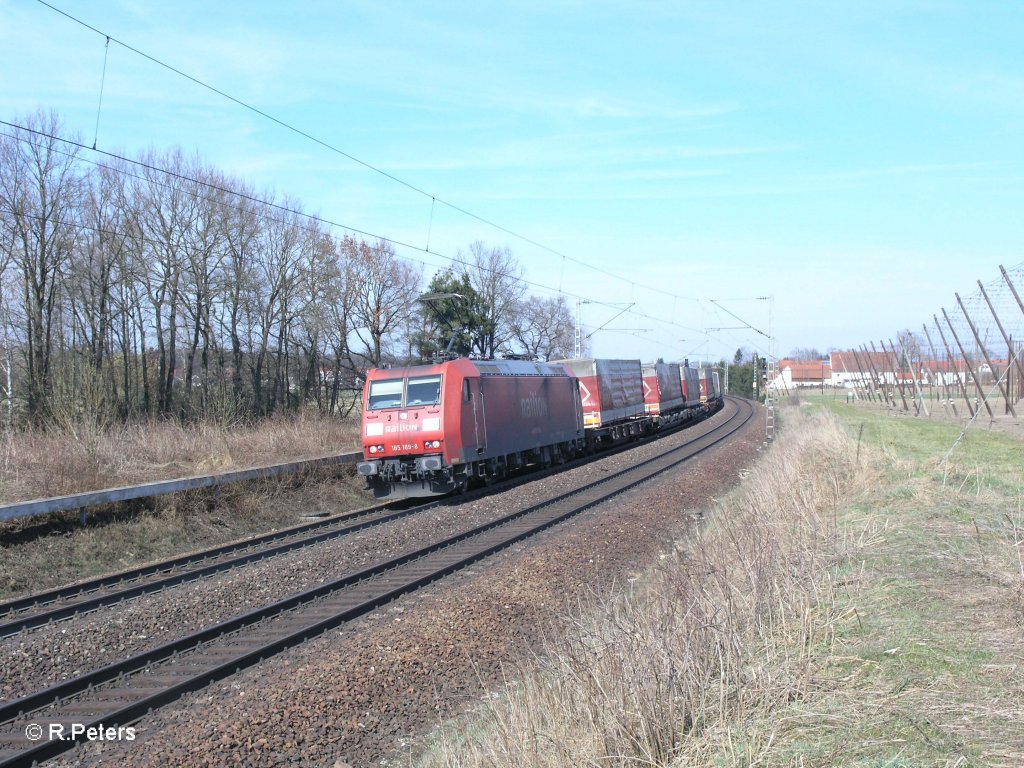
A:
(967, 360)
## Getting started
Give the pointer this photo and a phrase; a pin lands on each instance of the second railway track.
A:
(53, 605)
(121, 693)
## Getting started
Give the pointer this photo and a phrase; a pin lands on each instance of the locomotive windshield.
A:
(425, 390)
(418, 390)
(386, 393)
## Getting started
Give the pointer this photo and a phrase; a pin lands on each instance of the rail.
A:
(84, 501)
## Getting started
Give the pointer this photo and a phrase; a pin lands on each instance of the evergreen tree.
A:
(451, 316)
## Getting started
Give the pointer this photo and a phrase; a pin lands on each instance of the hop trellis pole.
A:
(971, 350)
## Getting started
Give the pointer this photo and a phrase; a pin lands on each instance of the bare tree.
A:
(166, 212)
(384, 288)
(7, 298)
(150, 288)
(497, 278)
(129, 295)
(205, 256)
(804, 355)
(318, 284)
(39, 189)
(86, 380)
(242, 230)
(94, 266)
(544, 328)
(338, 329)
(276, 270)
(7, 323)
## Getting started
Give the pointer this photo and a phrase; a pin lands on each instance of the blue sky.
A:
(859, 162)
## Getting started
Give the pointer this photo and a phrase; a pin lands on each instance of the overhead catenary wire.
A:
(733, 314)
(99, 105)
(369, 166)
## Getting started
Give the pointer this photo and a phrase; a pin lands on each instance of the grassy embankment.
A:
(855, 602)
(37, 553)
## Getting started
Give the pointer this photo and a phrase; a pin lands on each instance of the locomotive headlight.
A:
(376, 449)
(432, 444)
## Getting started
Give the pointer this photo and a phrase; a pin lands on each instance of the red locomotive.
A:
(432, 429)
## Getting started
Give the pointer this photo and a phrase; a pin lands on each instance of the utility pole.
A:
(769, 401)
(771, 364)
(955, 366)
(940, 376)
(984, 351)
(1011, 359)
(919, 403)
(577, 347)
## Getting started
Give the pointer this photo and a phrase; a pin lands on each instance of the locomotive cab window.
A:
(423, 390)
(386, 393)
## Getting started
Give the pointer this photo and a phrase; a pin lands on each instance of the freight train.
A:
(429, 430)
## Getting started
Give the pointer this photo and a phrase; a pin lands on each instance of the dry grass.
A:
(728, 629)
(38, 555)
(83, 457)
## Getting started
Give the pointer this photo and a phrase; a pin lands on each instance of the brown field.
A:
(37, 464)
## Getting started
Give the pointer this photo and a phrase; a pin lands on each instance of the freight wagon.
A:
(663, 393)
(612, 398)
(433, 429)
(690, 378)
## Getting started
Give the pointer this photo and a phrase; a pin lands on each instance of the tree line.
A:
(161, 287)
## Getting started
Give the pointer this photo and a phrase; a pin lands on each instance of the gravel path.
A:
(357, 694)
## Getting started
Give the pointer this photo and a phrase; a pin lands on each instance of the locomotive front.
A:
(404, 445)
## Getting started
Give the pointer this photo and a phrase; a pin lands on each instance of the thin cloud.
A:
(604, 106)
(920, 169)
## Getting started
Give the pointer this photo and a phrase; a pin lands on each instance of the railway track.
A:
(66, 602)
(121, 693)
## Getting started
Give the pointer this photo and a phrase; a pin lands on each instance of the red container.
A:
(663, 388)
(611, 391)
(691, 386)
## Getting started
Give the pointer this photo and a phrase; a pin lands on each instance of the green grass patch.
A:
(925, 442)
(924, 668)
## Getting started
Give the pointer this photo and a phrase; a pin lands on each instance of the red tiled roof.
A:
(846, 362)
(814, 370)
